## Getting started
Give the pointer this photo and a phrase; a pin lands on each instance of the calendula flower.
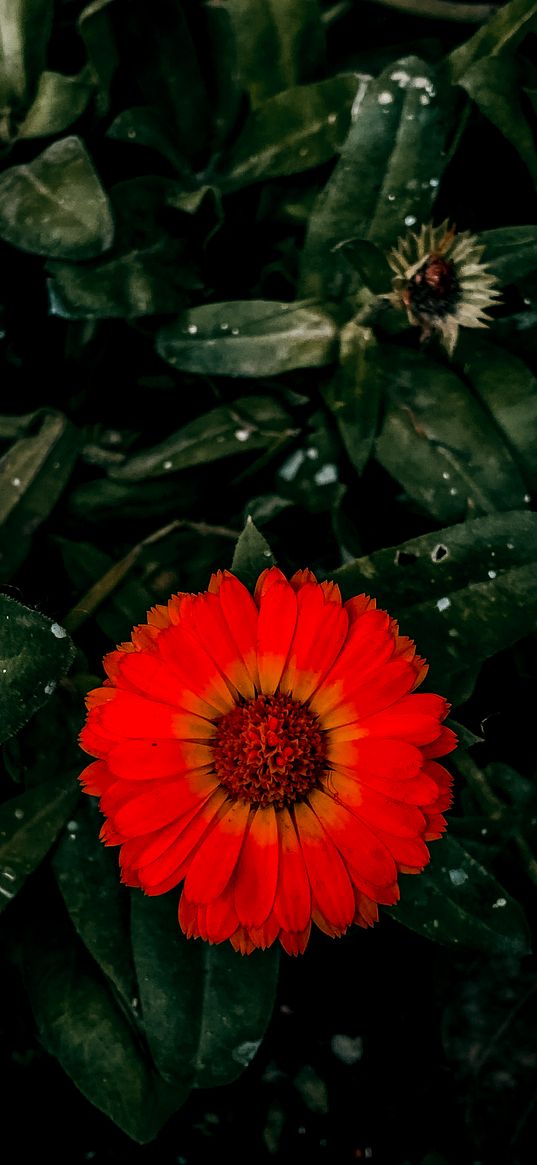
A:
(270, 751)
(441, 282)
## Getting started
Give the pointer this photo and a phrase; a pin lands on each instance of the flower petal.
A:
(330, 883)
(275, 629)
(217, 857)
(320, 632)
(292, 904)
(256, 875)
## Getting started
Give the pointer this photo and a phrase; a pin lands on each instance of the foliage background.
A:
(195, 200)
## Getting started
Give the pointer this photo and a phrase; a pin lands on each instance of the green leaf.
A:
(247, 424)
(510, 252)
(29, 825)
(221, 1002)
(252, 555)
(34, 653)
(55, 205)
(387, 175)
(508, 390)
(439, 443)
(144, 126)
(88, 876)
(354, 393)
(85, 564)
(95, 28)
(82, 1026)
(248, 338)
(59, 101)
(152, 281)
(464, 593)
(279, 44)
(22, 55)
(494, 84)
(33, 474)
(456, 900)
(506, 28)
(291, 132)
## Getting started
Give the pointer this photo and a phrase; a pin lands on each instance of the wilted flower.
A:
(441, 282)
(268, 750)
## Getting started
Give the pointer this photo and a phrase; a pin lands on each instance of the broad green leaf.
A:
(493, 83)
(354, 393)
(33, 474)
(85, 1029)
(309, 476)
(252, 555)
(35, 652)
(248, 338)
(292, 131)
(220, 48)
(88, 876)
(22, 56)
(509, 25)
(248, 423)
(59, 101)
(55, 205)
(456, 900)
(152, 281)
(464, 593)
(280, 43)
(144, 126)
(205, 1008)
(387, 175)
(29, 824)
(508, 390)
(439, 443)
(95, 28)
(510, 252)
(105, 501)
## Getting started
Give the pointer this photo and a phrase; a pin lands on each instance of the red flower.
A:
(269, 752)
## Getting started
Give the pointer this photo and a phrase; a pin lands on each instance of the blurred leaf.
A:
(293, 131)
(144, 126)
(22, 56)
(248, 338)
(224, 83)
(456, 900)
(510, 252)
(112, 501)
(153, 281)
(33, 474)
(279, 43)
(246, 424)
(354, 393)
(55, 205)
(309, 476)
(493, 83)
(82, 1026)
(464, 593)
(508, 390)
(127, 605)
(387, 175)
(505, 29)
(59, 101)
(252, 555)
(439, 443)
(34, 653)
(96, 31)
(88, 876)
(222, 1002)
(29, 824)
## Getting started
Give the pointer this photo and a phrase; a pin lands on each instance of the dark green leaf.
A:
(59, 101)
(127, 605)
(510, 252)
(34, 653)
(464, 593)
(252, 555)
(29, 824)
(293, 131)
(387, 175)
(248, 338)
(439, 443)
(80, 1023)
(493, 83)
(33, 474)
(504, 30)
(145, 126)
(456, 900)
(88, 876)
(279, 43)
(95, 28)
(22, 56)
(221, 1001)
(354, 394)
(143, 282)
(508, 390)
(56, 205)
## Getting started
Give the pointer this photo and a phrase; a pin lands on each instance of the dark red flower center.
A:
(433, 290)
(269, 751)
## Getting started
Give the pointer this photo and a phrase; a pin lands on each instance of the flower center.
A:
(269, 751)
(433, 290)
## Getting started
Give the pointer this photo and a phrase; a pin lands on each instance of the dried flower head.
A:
(441, 282)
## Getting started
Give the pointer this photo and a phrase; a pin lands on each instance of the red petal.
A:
(368, 860)
(394, 816)
(445, 743)
(240, 613)
(221, 917)
(204, 614)
(295, 942)
(257, 870)
(217, 857)
(96, 778)
(180, 650)
(382, 688)
(191, 829)
(161, 804)
(277, 620)
(147, 674)
(241, 942)
(370, 643)
(292, 904)
(329, 880)
(134, 717)
(264, 936)
(320, 632)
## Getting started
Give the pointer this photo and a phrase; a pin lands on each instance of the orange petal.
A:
(257, 870)
(181, 651)
(275, 629)
(330, 883)
(217, 857)
(295, 942)
(321, 628)
(240, 613)
(191, 829)
(368, 860)
(205, 615)
(292, 904)
(163, 803)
